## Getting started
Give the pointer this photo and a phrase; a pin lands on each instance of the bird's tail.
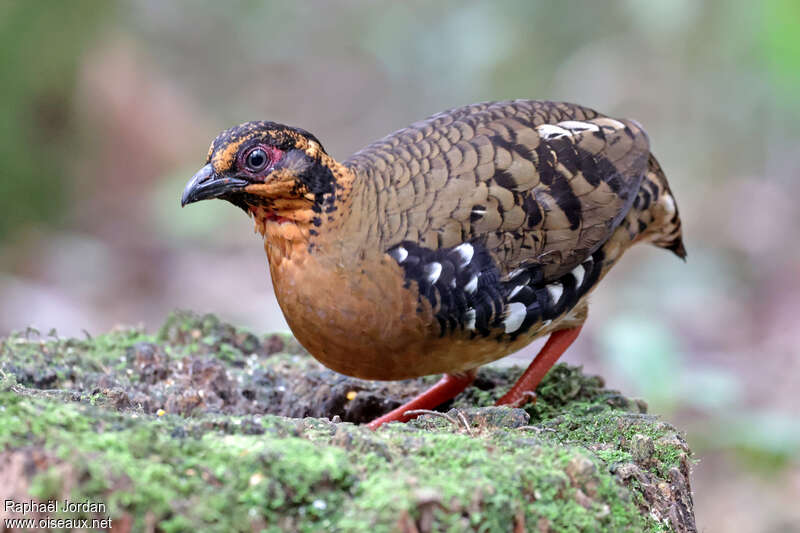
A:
(656, 213)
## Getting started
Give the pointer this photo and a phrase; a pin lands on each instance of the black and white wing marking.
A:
(530, 299)
(462, 283)
(466, 291)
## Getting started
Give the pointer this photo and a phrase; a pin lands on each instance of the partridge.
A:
(450, 243)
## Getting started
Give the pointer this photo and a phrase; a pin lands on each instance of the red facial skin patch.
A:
(277, 218)
(273, 156)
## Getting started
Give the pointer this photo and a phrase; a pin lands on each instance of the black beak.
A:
(206, 184)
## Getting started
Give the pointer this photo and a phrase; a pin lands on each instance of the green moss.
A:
(616, 431)
(578, 410)
(139, 465)
(58, 363)
(218, 471)
(228, 481)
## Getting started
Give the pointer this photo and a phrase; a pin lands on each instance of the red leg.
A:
(525, 386)
(445, 389)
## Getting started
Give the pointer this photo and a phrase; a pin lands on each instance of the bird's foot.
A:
(521, 400)
(523, 390)
(445, 389)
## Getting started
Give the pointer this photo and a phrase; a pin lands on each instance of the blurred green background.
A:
(108, 107)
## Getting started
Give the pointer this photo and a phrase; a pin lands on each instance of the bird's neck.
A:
(320, 224)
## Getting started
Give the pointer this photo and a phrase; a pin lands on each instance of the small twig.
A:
(466, 423)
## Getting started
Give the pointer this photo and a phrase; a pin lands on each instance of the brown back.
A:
(534, 182)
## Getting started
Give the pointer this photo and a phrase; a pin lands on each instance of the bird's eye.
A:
(256, 160)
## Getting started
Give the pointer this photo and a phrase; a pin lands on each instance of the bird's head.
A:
(274, 172)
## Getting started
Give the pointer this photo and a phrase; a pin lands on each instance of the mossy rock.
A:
(206, 427)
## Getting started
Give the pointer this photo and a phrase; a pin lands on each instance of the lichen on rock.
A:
(207, 427)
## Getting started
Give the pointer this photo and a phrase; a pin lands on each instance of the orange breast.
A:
(364, 322)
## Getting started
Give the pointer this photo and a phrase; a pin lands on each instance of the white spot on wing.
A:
(514, 291)
(515, 317)
(551, 131)
(576, 126)
(579, 272)
(610, 123)
(400, 254)
(433, 270)
(466, 252)
(469, 319)
(472, 286)
(669, 204)
(555, 290)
